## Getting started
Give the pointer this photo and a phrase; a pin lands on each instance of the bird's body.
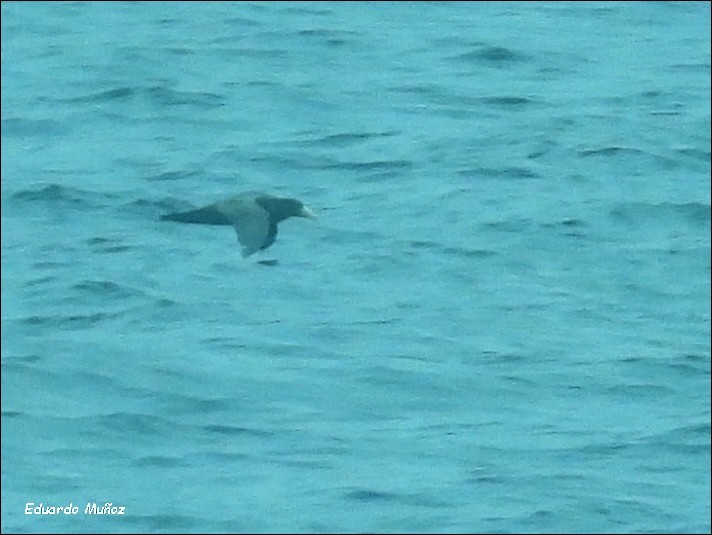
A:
(254, 216)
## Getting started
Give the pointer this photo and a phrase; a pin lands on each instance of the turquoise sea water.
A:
(499, 323)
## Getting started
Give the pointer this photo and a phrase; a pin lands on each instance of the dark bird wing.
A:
(209, 215)
(250, 220)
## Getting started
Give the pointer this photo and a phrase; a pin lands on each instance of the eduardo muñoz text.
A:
(91, 509)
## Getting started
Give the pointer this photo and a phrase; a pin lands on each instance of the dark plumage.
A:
(254, 216)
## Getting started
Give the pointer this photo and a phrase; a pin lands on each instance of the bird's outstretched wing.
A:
(250, 220)
(208, 215)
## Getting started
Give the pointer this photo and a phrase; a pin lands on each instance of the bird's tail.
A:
(202, 216)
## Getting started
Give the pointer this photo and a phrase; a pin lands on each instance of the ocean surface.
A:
(500, 321)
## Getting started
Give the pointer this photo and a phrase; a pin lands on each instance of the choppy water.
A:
(500, 322)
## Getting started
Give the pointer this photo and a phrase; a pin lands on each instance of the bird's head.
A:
(281, 209)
